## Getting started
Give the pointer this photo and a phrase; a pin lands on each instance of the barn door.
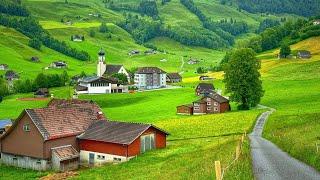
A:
(147, 143)
(91, 158)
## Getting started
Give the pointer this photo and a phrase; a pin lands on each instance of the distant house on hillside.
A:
(110, 141)
(304, 54)
(150, 78)
(211, 104)
(59, 65)
(174, 78)
(204, 89)
(11, 75)
(205, 78)
(134, 52)
(41, 93)
(4, 67)
(35, 59)
(5, 124)
(186, 109)
(193, 61)
(77, 38)
(316, 22)
(150, 51)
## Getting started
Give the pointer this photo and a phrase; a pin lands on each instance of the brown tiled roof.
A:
(174, 76)
(65, 152)
(116, 132)
(150, 70)
(186, 105)
(63, 118)
(112, 69)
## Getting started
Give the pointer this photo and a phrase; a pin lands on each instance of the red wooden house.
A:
(110, 141)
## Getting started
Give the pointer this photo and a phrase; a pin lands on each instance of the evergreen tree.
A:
(122, 78)
(103, 28)
(92, 33)
(35, 43)
(242, 78)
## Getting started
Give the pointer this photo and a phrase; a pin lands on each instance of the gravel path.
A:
(271, 163)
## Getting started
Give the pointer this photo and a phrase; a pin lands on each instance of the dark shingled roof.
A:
(112, 69)
(65, 152)
(91, 79)
(81, 88)
(217, 97)
(186, 105)
(116, 132)
(205, 87)
(174, 76)
(150, 70)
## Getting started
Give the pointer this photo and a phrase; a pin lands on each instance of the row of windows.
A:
(99, 84)
(101, 157)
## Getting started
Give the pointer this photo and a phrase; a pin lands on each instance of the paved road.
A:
(271, 163)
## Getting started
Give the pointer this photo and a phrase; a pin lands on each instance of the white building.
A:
(316, 22)
(109, 69)
(94, 85)
(150, 78)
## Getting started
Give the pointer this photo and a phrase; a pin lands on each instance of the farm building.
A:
(5, 124)
(205, 78)
(11, 75)
(4, 67)
(35, 59)
(174, 78)
(45, 132)
(150, 51)
(134, 52)
(41, 93)
(193, 61)
(316, 22)
(304, 54)
(110, 141)
(100, 85)
(211, 104)
(104, 69)
(77, 38)
(185, 109)
(204, 89)
(59, 64)
(150, 78)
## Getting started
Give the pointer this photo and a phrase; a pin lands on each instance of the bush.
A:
(103, 28)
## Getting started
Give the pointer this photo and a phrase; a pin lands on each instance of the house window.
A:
(196, 104)
(26, 128)
(209, 108)
(101, 157)
(38, 161)
(215, 104)
(196, 108)
(209, 103)
(117, 159)
(215, 109)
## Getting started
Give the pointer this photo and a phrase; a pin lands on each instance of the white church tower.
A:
(101, 67)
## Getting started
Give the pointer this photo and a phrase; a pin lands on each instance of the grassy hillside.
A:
(292, 87)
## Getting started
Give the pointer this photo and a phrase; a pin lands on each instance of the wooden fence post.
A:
(218, 170)
(242, 139)
(317, 147)
(238, 151)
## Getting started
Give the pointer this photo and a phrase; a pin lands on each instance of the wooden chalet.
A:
(211, 104)
(186, 109)
(204, 89)
(59, 64)
(41, 93)
(304, 54)
(174, 78)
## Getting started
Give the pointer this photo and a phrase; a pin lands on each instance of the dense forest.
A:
(14, 15)
(299, 7)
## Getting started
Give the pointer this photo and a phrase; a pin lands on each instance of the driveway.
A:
(271, 163)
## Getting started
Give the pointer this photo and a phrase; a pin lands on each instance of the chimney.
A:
(100, 115)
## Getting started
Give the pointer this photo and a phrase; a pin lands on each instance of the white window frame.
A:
(26, 127)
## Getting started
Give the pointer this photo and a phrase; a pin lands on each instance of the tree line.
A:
(302, 8)
(13, 8)
(31, 28)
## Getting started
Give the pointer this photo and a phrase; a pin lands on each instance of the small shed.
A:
(174, 78)
(3, 67)
(65, 158)
(35, 59)
(205, 78)
(186, 109)
(59, 64)
(77, 38)
(41, 93)
(134, 52)
(304, 54)
(111, 141)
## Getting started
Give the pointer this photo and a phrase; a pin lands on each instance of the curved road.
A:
(271, 163)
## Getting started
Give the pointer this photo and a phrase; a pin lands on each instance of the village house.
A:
(174, 78)
(94, 85)
(45, 138)
(77, 38)
(5, 124)
(4, 67)
(193, 61)
(104, 69)
(204, 89)
(205, 78)
(35, 59)
(211, 104)
(41, 93)
(134, 52)
(150, 78)
(304, 54)
(11, 75)
(68, 132)
(316, 22)
(110, 141)
(186, 109)
(59, 64)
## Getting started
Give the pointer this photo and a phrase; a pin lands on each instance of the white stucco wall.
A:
(109, 158)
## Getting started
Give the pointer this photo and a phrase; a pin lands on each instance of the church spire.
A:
(101, 66)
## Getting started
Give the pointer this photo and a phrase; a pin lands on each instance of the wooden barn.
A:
(110, 141)
(186, 109)
(174, 78)
(41, 93)
(204, 89)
